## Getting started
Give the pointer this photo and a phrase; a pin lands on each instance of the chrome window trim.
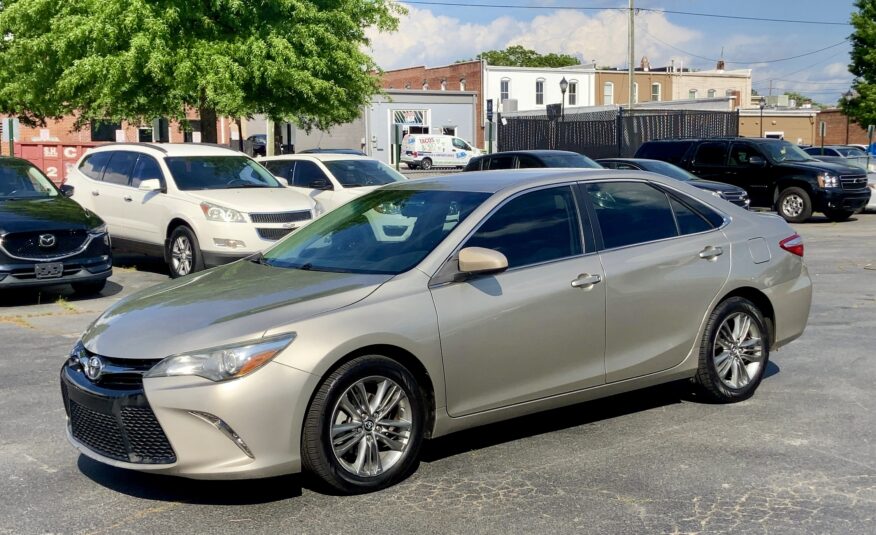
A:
(81, 249)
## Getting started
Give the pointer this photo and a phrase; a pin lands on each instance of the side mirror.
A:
(320, 183)
(151, 184)
(66, 190)
(282, 181)
(757, 161)
(479, 261)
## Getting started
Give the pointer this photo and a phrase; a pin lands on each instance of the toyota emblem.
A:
(94, 368)
(47, 240)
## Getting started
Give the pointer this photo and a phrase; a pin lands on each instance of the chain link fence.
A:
(613, 132)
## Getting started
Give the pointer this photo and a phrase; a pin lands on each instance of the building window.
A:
(104, 130)
(462, 84)
(573, 93)
(729, 93)
(635, 92)
(711, 93)
(443, 85)
(504, 89)
(692, 94)
(656, 91)
(425, 85)
(539, 92)
(607, 93)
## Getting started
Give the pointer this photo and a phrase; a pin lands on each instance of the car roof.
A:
(534, 152)
(15, 160)
(495, 181)
(170, 149)
(321, 156)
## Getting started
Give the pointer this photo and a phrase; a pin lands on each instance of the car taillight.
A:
(793, 244)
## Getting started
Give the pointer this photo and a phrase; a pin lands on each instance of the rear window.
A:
(668, 151)
(92, 166)
(568, 159)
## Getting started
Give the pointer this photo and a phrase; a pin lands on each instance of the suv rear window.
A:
(92, 166)
(712, 153)
(668, 151)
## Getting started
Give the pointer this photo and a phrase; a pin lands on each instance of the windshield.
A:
(783, 151)
(357, 173)
(667, 169)
(385, 231)
(218, 172)
(21, 180)
(568, 159)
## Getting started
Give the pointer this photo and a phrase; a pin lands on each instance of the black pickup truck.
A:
(776, 174)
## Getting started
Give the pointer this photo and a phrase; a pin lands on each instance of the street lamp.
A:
(762, 106)
(847, 96)
(564, 85)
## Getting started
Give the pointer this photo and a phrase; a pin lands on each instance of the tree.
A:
(134, 60)
(518, 56)
(862, 107)
(800, 98)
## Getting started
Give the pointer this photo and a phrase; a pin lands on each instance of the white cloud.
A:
(425, 38)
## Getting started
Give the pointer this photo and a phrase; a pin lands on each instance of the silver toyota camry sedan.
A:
(431, 306)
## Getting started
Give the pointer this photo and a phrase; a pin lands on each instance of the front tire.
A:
(795, 205)
(734, 351)
(364, 427)
(184, 253)
(838, 215)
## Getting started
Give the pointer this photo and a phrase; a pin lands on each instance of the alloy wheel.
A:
(181, 255)
(792, 205)
(370, 427)
(738, 350)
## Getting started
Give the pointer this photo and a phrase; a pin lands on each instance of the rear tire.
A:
(734, 351)
(183, 252)
(794, 205)
(349, 441)
(89, 288)
(838, 215)
(426, 164)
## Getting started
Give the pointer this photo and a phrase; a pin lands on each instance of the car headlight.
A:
(224, 362)
(214, 212)
(98, 230)
(828, 181)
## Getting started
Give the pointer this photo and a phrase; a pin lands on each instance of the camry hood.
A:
(255, 200)
(233, 303)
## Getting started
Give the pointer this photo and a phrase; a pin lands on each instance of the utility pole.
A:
(632, 52)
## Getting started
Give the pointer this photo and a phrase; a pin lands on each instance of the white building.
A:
(535, 88)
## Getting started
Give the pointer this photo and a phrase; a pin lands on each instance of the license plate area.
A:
(51, 270)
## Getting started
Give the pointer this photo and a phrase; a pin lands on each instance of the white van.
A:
(425, 151)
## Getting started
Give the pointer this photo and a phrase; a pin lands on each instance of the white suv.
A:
(196, 205)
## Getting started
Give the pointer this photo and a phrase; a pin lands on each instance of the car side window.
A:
(118, 169)
(741, 153)
(631, 213)
(281, 168)
(306, 173)
(535, 227)
(501, 162)
(524, 161)
(711, 153)
(460, 144)
(689, 221)
(146, 168)
(93, 165)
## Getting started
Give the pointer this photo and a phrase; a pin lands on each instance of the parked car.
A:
(520, 291)
(843, 154)
(530, 159)
(331, 179)
(47, 239)
(776, 174)
(734, 194)
(355, 152)
(871, 183)
(196, 205)
(259, 144)
(424, 151)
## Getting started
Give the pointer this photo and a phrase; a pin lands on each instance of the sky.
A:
(435, 35)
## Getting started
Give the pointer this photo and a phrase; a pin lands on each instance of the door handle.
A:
(710, 252)
(95, 192)
(126, 198)
(586, 281)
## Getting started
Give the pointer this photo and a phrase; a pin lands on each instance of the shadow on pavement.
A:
(16, 297)
(139, 262)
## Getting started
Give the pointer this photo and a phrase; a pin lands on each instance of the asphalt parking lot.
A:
(800, 456)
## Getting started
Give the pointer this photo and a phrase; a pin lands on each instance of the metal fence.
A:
(610, 133)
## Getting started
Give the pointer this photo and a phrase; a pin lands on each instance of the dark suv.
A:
(776, 174)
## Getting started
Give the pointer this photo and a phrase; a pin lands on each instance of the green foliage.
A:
(800, 98)
(862, 108)
(518, 56)
(299, 60)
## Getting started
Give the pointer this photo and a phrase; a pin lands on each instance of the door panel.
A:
(710, 160)
(110, 204)
(757, 181)
(147, 211)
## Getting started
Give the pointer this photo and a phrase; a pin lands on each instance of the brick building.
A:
(840, 130)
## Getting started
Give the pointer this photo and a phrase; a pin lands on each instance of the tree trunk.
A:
(209, 132)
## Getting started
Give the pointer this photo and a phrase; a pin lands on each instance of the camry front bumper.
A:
(189, 426)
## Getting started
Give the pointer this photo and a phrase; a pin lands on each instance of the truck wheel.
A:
(794, 205)
(838, 215)
(426, 164)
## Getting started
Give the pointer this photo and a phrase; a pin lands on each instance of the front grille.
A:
(273, 233)
(281, 217)
(147, 439)
(99, 432)
(27, 244)
(853, 182)
(135, 436)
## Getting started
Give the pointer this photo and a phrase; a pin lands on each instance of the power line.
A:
(806, 68)
(603, 8)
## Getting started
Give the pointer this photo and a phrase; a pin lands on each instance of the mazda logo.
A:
(47, 240)
(93, 368)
